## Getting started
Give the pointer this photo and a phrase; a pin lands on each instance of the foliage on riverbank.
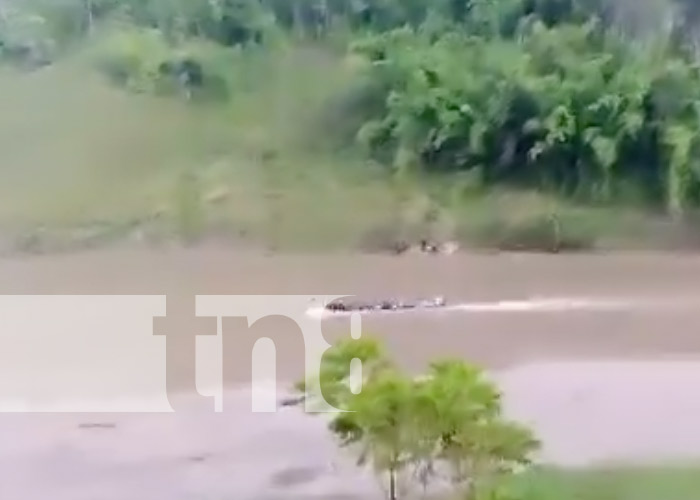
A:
(595, 102)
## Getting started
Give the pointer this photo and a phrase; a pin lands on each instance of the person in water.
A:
(336, 306)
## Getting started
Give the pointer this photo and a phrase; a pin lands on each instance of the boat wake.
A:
(504, 306)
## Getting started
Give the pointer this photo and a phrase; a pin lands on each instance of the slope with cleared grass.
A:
(75, 151)
(83, 161)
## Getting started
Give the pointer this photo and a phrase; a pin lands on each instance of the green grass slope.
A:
(83, 161)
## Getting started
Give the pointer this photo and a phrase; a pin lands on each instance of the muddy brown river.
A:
(603, 344)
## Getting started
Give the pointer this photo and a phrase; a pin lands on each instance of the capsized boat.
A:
(340, 305)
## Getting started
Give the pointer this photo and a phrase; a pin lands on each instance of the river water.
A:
(598, 353)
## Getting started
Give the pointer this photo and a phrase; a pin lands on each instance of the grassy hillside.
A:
(77, 151)
(513, 124)
(81, 159)
(81, 162)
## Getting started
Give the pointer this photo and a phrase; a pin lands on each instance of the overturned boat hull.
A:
(384, 305)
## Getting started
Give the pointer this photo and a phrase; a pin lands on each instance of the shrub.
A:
(25, 40)
(144, 61)
(131, 57)
(565, 108)
(449, 421)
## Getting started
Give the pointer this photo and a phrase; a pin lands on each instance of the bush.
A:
(143, 61)
(25, 40)
(448, 422)
(565, 108)
(132, 57)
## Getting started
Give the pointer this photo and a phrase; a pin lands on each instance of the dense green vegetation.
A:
(592, 101)
(444, 435)
(446, 426)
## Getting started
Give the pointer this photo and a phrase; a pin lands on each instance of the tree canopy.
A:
(590, 99)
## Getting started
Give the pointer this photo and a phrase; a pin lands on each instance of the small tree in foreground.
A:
(463, 432)
(447, 424)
